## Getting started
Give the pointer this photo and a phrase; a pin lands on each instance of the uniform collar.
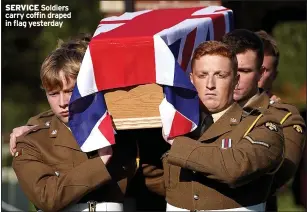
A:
(218, 115)
(225, 123)
(260, 102)
(62, 135)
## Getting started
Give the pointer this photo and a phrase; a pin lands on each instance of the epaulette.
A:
(40, 118)
(284, 106)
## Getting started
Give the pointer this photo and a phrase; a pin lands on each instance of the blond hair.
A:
(66, 59)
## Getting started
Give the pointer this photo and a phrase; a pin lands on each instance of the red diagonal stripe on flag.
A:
(188, 49)
(219, 24)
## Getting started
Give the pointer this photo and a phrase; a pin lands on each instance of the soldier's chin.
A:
(237, 96)
(64, 119)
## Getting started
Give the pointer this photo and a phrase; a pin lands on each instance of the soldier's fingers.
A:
(12, 144)
(21, 130)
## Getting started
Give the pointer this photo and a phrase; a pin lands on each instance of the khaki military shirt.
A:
(54, 173)
(150, 145)
(230, 166)
(293, 127)
(41, 118)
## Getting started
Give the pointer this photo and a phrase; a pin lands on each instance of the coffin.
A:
(135, 107)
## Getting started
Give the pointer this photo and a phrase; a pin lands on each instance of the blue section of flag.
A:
(231, 21)
(85, 113)
(181, 79)
(175, 47)
(184, 101)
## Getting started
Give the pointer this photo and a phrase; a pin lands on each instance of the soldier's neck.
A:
(248, 101)
(218, 115)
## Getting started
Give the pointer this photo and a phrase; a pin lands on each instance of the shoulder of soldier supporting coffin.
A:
(284, 106)
(264, 117)
(40, 118)
(288, 114)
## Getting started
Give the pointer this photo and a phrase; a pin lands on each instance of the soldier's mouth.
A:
(64, 113)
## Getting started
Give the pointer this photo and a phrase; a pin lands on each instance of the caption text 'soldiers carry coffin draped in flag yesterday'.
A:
(145, 47)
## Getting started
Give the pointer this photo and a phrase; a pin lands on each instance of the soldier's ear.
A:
(261, 72)
(191, 77)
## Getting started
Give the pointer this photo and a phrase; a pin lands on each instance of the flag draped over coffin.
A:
(144, 47)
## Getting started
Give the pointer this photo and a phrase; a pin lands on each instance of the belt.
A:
(93, 206)
(258, 207)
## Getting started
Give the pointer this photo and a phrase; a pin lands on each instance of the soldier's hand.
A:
(275, 98)
(105, 154)
(18, 131)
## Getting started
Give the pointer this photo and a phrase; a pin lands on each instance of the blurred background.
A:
(24, 49)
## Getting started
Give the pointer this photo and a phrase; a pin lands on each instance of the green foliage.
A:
(291, 40)
(24, 49)
(286, 202)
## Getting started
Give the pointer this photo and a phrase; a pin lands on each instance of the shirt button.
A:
(196, 197)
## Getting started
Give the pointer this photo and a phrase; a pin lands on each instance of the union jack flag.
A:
(144, 47)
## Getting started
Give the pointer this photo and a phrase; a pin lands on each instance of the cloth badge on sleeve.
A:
(271, 126)
(298, 128)
(226, 143)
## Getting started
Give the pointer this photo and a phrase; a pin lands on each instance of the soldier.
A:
(269, 65)
(148, 193)
(255, 71)
(51, 169)
(231, 165)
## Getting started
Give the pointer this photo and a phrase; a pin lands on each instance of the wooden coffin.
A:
(135, 107)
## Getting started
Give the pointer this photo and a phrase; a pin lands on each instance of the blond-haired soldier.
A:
(51, 169)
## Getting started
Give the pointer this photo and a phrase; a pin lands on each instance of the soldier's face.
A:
(269, 73)
(59, 99)
(249, 76)
(214, 80)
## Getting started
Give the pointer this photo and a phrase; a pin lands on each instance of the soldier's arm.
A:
(154, 178)
(260, 152)
(39, 119)
(151, 147)
(48, 191)
(294, 134)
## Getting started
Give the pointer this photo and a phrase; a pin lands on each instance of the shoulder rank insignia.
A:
(18, 153)
(271, 126)
(298, 128)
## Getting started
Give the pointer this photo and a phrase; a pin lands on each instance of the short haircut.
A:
(66, 58)
(269, 46)
(216, 48)
(242, 40)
